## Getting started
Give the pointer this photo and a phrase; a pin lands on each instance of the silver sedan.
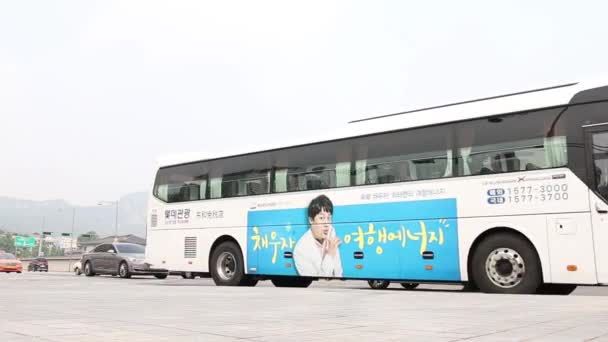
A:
(122, 259)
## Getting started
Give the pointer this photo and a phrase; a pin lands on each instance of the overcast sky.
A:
(92, 92)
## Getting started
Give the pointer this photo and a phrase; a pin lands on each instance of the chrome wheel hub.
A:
(226, 265)
(505, 267)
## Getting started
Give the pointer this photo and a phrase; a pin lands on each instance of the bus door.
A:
(597, 161)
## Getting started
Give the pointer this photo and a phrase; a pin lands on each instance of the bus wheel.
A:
(409, 286)
(291, 282)
(470, 287)
(378, 284)
(506, 263)
(556, 289)
(227, 264)
(248, 281)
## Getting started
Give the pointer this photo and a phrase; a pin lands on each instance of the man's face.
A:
(320, 225)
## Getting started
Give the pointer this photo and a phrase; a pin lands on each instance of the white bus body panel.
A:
(599, 218)
(556, 221)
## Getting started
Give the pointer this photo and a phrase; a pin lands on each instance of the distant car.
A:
(9, 263)
(38, 265)
(122, 259)
(77, 268)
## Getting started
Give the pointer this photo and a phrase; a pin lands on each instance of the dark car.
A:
(38, 265)
(122, 259)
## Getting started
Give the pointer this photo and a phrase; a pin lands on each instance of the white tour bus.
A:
(507, 194)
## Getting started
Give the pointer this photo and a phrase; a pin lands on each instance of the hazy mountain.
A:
(25, 216)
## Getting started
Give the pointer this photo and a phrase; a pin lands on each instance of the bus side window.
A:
(319, 177)
(162, 192)
(255, 188)
(512, 162)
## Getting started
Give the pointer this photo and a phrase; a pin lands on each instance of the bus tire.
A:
(506, 263)
(409, 286)
(249, 281)
(291, 282)
(470, 287)
(556, 289)
(226, 265)
(378, 284)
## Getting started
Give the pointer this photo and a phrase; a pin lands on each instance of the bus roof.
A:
(556, 95)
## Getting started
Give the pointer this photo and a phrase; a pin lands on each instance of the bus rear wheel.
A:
(378, 284)
(188, 275)
(291, 282)
(226, 265)
(409, 286)
(506, 263)
(556, 289)
(249, 281)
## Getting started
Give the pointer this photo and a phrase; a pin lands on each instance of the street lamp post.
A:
(116, 216)
(72, 234)
(41, 237)
(72, 240)
(116, 222)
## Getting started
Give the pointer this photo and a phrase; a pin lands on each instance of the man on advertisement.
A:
(316, 253)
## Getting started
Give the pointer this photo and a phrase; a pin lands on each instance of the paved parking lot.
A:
(63, 307)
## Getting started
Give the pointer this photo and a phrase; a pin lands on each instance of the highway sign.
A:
(22, 241)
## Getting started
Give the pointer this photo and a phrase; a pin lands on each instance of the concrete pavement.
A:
(63, 307)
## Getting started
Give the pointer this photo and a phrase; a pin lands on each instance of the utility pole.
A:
(41, 237)
(115, 218)
(72, 239)
(116, 222)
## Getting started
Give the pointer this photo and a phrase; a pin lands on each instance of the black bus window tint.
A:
(312, 167)
(240, 176)
(416, 154)
(404, 168)
(230, 187)
(187, 191)
(383, 170)
(505, 157)
(433, 166)
(311, 178)
(245, 183)
(600, 163)
(181, 183)
(161, 191)
(511, 143)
